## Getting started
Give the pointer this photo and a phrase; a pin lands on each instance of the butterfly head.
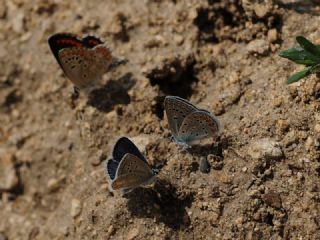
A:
(155, 171)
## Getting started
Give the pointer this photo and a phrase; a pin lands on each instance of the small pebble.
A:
(204, 166)
(75, 207)
(272, 35)
(53, 185)
(265, 148)
(133, 233)
(8, 174)
(259, 46)
(317, 128)
(272, 199)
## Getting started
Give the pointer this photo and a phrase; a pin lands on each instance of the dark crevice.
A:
(158, 107)
(268, 219)
(175, 77)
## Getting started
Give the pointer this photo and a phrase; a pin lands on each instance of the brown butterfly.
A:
(83, 60)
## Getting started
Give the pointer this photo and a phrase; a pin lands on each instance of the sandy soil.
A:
(264, 178)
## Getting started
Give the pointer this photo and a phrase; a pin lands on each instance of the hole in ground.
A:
(175, 77)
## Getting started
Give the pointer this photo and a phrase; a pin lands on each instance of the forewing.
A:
(176, 110)
(112, 167)
(132, 172)
(198, 125)
(124, 146)
(83, 66)
(75, 63)
(61, 41)
(131, 164)
(99, 59)
(91, 41)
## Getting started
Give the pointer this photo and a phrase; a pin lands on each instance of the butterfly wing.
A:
(198, 125)
(132, 172)
(60, 41)
(112, 167)
(91, 41)
(83, 66)
(176, 110)
(124, 146)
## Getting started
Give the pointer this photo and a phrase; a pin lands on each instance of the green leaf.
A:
(315, 68)
(308, 46)
(300, 56)
(297, 76)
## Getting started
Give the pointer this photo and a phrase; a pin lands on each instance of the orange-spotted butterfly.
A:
(83, 60)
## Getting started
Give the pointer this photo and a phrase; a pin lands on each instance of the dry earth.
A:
(264, 173)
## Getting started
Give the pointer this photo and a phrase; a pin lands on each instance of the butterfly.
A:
(188, 123)
(128, 169)
(83, 60)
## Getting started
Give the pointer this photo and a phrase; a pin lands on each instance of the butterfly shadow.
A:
(114, 92)
(161, 203)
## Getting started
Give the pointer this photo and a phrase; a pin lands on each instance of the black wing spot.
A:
(73, 66)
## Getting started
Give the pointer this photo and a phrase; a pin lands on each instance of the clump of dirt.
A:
(262, 174)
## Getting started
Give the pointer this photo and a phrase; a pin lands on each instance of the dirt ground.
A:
(264, 178)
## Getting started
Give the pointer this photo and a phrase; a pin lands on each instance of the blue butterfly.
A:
(128, 169)
(189, 123)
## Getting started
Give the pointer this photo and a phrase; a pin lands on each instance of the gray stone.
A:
(265, 148)
(259, 46)
(75, 207)
(204, 165)
(8, 175)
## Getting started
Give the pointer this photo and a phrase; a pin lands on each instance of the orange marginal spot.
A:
(117, 184)
(94, 42)
(69, 41)
(105, 52)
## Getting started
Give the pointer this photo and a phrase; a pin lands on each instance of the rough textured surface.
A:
(218, 55)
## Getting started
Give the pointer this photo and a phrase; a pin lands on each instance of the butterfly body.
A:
(84, 61)
(128, 169)
(188, 123)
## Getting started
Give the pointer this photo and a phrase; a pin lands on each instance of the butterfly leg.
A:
(74, 96)
(125, 191)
